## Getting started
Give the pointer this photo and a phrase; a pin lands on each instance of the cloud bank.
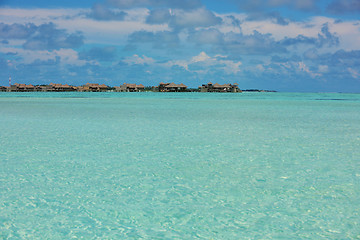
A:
(257, 44)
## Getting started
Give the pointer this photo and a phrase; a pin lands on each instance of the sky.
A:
(282, 45)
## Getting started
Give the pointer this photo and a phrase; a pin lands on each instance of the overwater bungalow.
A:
(219, 88)
(62, 87)
(130, 87)
(21, 88)
(171, 87)
(3, 89)
(55, 87)
(92, 87)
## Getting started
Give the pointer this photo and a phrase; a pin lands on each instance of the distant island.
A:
(126, 87)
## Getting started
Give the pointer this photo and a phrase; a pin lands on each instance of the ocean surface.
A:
(179, 166)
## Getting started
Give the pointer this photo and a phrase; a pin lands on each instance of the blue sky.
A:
(284, 45)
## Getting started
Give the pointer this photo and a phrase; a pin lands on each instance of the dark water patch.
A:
(335, 99)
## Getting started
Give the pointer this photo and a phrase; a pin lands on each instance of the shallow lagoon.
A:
(179, 165)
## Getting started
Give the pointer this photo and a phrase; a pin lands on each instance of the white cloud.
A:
(37, 16)
(136, 59)
(205, 63)
(116, 32)
(171, 63)
(200, 58)
(180, 63)
(304, 68)
(260, 67)
(231, 67)
(355, 74)
(99, 32)
(66, 56)
(323, 68)
(348, 31)
(69, 56)
(349, 34)
(110, 32)
(200, 17)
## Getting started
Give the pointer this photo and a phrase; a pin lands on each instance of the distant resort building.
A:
(93, 87)
(219, 88)
(171, 87)
(46, 88)
(130, 87)
(55, 87)
(3, 89)
(126, 87)
(39, 88)
(21, 88)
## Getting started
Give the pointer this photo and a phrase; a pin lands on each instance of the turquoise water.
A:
(179, 166)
